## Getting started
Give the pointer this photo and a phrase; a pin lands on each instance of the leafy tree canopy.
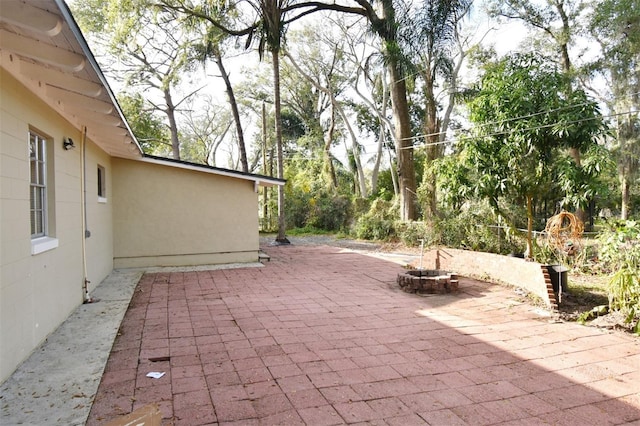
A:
(525, 116)
(148, 128)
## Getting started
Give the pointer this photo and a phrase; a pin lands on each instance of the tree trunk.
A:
(404, 146)
(266, 223)
(432, 140)
(429, 180)
(384, 123)
(173, 127)
(529, 251)
(626, 195)
(628, 163)
(275, 56)
(328, 158)
(362, 184)
(381, 137)
(376, 165)
(387, 28)
(235, 112)
(394, 174)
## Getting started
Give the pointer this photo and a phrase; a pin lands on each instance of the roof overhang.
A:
(258, 180)
(42, 46)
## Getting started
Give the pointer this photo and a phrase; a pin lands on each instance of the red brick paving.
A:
(322, 336)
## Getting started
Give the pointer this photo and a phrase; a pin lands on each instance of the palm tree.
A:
(431, 39)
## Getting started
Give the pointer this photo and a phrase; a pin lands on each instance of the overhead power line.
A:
(479, 136)
(522, 117)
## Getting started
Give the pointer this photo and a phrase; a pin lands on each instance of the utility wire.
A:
(497, 122)
(292, 155)
(544, 126)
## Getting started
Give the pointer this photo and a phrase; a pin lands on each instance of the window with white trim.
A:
(38, 195)
(41, 194)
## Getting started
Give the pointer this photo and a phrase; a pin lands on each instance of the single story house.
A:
(78, 197)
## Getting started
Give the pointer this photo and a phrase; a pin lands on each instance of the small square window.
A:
(102, 184)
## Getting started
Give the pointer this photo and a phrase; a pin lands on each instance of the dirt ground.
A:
(587, 293)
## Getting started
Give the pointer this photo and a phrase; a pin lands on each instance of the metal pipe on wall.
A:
(83, 205)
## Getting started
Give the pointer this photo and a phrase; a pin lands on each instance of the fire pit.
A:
(428, 281)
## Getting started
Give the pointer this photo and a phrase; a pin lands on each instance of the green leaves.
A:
(147, 126)
(525, 115)
(620, 253)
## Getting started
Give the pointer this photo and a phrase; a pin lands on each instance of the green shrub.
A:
(320, 210)
(378, 222)
(411, 233)
(620, 254)
(331, 213)
(474, 227)
(297, 209)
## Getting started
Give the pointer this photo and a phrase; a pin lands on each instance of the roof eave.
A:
(75, 29)
(265, 181)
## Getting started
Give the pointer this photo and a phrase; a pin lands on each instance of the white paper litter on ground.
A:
(155, 374)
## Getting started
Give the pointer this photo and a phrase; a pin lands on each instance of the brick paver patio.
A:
(323, 336)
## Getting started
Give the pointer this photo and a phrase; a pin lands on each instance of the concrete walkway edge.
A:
(57, 383)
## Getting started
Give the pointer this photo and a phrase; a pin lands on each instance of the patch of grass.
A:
(306, 231)
(341, 235)
(585, 293)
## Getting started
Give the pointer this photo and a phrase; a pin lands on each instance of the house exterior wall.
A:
(39, 291)
(99, 244)
(170, 216)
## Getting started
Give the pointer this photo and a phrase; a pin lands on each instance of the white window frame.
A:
(38, 185)
(39, 209)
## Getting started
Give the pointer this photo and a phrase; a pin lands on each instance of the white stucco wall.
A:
(38, 292)
(169, 216)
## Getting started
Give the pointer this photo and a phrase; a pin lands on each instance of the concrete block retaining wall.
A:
(514, 271)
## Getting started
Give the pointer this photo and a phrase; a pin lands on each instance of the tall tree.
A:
(615, 25)
(432, 41)
(560, 21)
(320, 60)
(211, 46)
(523, 121)
(386, 27)
(370, 83)
(269, 22)
(151, 49)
